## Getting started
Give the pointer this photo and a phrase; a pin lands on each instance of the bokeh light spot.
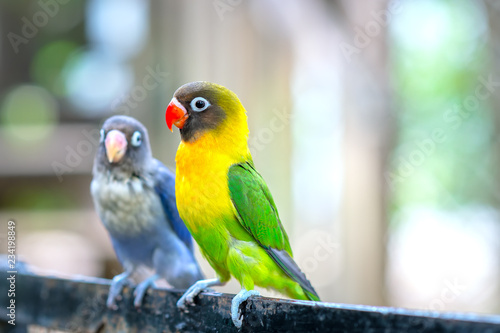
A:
(93, 81)
(48, 65)
(28, 114)
(110, 20)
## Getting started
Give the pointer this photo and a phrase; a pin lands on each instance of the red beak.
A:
(176, 114)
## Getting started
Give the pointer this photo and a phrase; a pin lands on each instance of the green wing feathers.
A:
(256, 208)
(258, 215)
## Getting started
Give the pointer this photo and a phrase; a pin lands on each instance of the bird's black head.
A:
(201, 106)
(124, 145)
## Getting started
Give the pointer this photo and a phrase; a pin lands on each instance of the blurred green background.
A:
(373, 123)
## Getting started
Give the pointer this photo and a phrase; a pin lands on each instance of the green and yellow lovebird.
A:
(223, 200)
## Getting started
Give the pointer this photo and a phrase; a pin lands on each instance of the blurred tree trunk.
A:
(493, 9)
(13, 53)
(367, 142)
(494, 67)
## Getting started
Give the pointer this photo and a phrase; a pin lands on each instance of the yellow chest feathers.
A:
(201, 186)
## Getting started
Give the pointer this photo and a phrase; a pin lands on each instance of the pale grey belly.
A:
(127, 208)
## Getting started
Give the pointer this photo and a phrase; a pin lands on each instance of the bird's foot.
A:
(188, 298)
(241, 297)
(119, 281)
(142, 288)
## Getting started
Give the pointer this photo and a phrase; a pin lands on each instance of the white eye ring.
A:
(203, 104)
(101, 139)
(136, 139)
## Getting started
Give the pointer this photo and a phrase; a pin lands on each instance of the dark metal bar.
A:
(79, 305)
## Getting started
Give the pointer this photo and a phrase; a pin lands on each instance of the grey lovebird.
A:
(134, 195)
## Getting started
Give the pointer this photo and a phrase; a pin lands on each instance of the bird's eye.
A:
(136, 139)
(101, 139)
(199, 104)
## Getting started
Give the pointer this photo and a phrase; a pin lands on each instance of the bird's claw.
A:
(188, 298)
(119, 282)
(142, 288)
(236, 313)
(113, 297)
(139, 293)
(111, 302)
